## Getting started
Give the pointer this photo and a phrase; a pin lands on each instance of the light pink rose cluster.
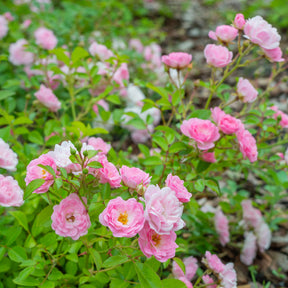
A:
(274, 55)
(36, 172)
(124, 218)
(208, 157)
(18, 54)
(47, 98)
(239, 21)
(203, 132)
(177, 185)
(8, 158)
(246, 91)
(99, 144)
(225, 274)
(134, 178)
(70, 218)
(260, 235)
(45, 38)
(247, 145)
(177, 60)
(121, 74)
(222, 227)
(217, 56)
(208, 280)
(224, 33)
(10, 192)
(136, 44)
(279, 114)
(225, 122)
(101, 51)
(3, 26)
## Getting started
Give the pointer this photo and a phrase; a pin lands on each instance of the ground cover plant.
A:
(113, 173)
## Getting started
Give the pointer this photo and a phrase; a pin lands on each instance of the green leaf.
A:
(36, 137)
(29, 281)
(22, 120)
(61, 56)
(17, 254)
(202, 166)
(152, 160)
(173, 283)
(59, 183)
(137, 123)
(114, 99)
(48, 168)
(32, 186)
(42, 220)
(160, 141)
(200, 185)
(213, 184)
(5, 94)
(64, 172)
(97, 258)
(118, 283)
(55, 275)
(114, 261)
(147, 276)
(72, 257)
(144, 149)
(95, 164)
(180, 263)
(201, 114)
(78, 54)
(26, 272)
(177, 147)
(21, 218)
(160, 90)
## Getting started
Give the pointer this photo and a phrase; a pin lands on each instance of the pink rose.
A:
(228, 276)
(224, 33)
(284, 117)
(48, 98)
(123, 218)
(226, 123)
(8, 158)
(245, 90)
(26, 23)
(264, 236)
(133, 177)
(247, 144)
(140, 136)
(208, 157)
(177, 60)
(208, 280)
(18, 54)
(163, 210)
(191, 267)
(217, 55)
(161, 246)
(121, 74)
(109, 174)
(248, 252)
(186, 282)
(136, 44)
(177, 185)
(101, 103)
(239, 21)
(99, 144)
(70, 218)
(101, 51)
(8, 16)
(3, 27)
(36, 172)
(213, 262)
(252, 216)
(10, 192)
(222, 227)
(45, 38)
(204, 132)
(260, 32)
(274, 55)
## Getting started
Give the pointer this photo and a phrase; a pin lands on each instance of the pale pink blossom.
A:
(264, 236)
(226, 123)
(279, 114)
(3, 27)
(163, 210)
(247, 145)
(177, 60)
(208, 157)
(213, 262)
(161, 246)
(47, 98)
(140, 136)
(123, 218)
(101, 51)
(224, 33)
(70, 218)
(217, 55)
(239, 21)
(10, 192)
(109, 174)
(136, 44)
(99, 144)
(8, 158)
(274, 55)
(135, 96)
(260, 32)
(177, 185)
(191, 267)
(26, 23)
(121, 74)
(208, 280)
(249, 250)
(101, 103)
(252, 216)
(246, 91)
(228, 276)
(8, 16)
(18, 54)
(45, 38)
(186, 282)
(222, 227)
(133, 177)
(204, 132)
(36, 172)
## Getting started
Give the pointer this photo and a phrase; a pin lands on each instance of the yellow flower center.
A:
(123, 218)
(156, 239)
(43, 174)
(70, 218)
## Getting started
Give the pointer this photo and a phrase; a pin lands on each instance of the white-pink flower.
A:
(274, 55)
(10, 192)
(208, 280)
(228, 276)
(260, 32)
(247, 144)
(252, 216)
(279, 114)
(186, 282)
(208, 157)
(70, 218)
(213, 262)
(8, 158)
(109, 174)
(121, 74)
(163, 210)
(177, 60)
(222, 227)
(249, 250)
(123, 218)
(161, 246)
(101, 51)
(101, 103)
(99, 145)
(3, 27)
(18, 54)
(47, 98)
(246, 91)
(191, 267)
(217, 55)
(204, 132)
(136, 44)
(239, 21)
(264, 236)
(177, 185)
(224, 33)
(45, 38)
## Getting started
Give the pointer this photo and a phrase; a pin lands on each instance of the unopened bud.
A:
(85, 153)
(85, 171)
(72, 151)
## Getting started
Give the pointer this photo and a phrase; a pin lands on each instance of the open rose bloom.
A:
(45, 38)
(224, 33)
(217, 56)
(48, 98)
(8, 158)
(177, 60)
